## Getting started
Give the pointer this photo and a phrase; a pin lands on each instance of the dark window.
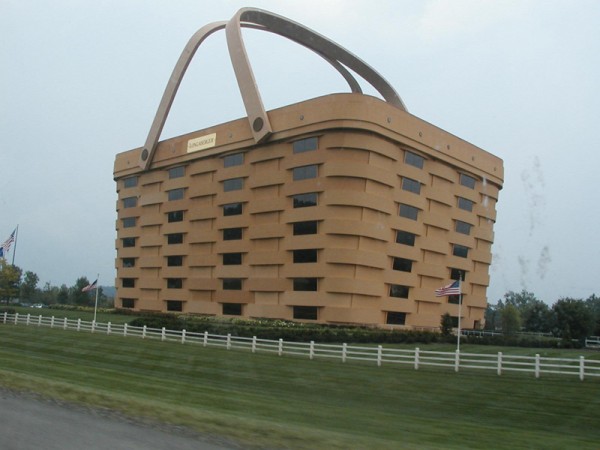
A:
(232, 209)
(232, 284)
(402, 264)
(130, 182)
(174, 305)
(467, 181)
(127, 303)
(233, 184)
(463, 227)
(455, 300)
(395, 318)
(465, 204)
(174, 283)
(128, 262)
(176, 194)
(177, 172)
(232, 309)
(128, 282)
(175, 261)
(458, 274)
(307, 227)
(236, 159)
(129, 222)
(175, 216)
(232, 234)
(406, 238)
(128, 242)
(413, 159)
(305, 256)
(305, 284)
(410, 212)
(305, 312)
(305, 172)
(399, 291)
(175, 238)
(232, 259)
(130, 202)
(460, 250)
(305, 145)
(411, 185)
(304, 200)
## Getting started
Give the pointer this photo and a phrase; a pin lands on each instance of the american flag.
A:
(7, 243)
(451, 289)
(90, 286)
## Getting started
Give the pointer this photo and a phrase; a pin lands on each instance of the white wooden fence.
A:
(417, 358)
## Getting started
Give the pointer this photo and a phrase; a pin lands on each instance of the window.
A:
(232, 209)
(305, 172)
(232, 234)
(305, 145)
(174, 283)
(127, 303)
(399, 291)
(128, 282)
(305, 284)
(130, 182)
(395, 318)
(175, 238)
(129, 222)
(411, 185)
(463, 227)
(128, 242)
(128, 262)
(458, 274)
(413, 159)
(402, 264)
(455, 300)
(130, 202)
(305, 312)
(174, 305)
(232, 309)
(177, 172)
(467, 181)
(237, 159)
(175, 261)
(307, 227)
(232, 284)
(405, 238)
(305, 200)
(233, 184)
(176, 194)
(305, 256)
(410, 212)
(175, 216)
(232, 259)
(460, 251)
(465, 204)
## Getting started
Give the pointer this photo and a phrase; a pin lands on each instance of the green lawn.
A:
(289, 402)
(87, 314)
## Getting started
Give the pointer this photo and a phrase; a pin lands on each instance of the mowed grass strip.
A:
(290, 402)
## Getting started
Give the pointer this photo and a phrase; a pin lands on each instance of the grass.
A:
(284, 402)
(86, 314)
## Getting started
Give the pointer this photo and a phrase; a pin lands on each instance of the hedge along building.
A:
(338, 209)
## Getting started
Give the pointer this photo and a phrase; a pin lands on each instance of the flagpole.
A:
(96, 303)
(15, 248)
(459, 312)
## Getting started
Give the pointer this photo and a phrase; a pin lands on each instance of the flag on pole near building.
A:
(451, 289)
(90, 286)
(7, 243)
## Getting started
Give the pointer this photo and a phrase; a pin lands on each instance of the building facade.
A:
(354, 211)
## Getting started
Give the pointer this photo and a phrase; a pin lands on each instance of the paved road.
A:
(28, 422)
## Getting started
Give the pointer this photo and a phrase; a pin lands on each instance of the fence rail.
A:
(417, 358)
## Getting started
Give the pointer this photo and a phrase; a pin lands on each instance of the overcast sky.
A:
(80, 81)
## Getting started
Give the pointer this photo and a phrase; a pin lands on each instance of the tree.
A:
(76, 296)
(10, 278)
(29, 286)
(593, 305)
(446, 324)
(62, 296)
(537, 318)
(511, 319)
(572, 319)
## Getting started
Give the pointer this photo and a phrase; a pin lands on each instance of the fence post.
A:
(124, 330)
(417, 358)
(379, 356)
(144, 332)
(205, 342)
(51, 321)
(65, 324)
(17, 318)
(253, 344)
(344, 352)
(78, 324)
(228, 341)
(311, 351)
(183, 336)
(163, 335)
(581, 367)
(93, 325)
(108, 328)
(28, 317)
(280, 350)
(499, 363)
(40, 320)
(457, 360)
(5, 316)
(537, 365)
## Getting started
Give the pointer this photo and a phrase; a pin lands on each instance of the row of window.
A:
(306, 284)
